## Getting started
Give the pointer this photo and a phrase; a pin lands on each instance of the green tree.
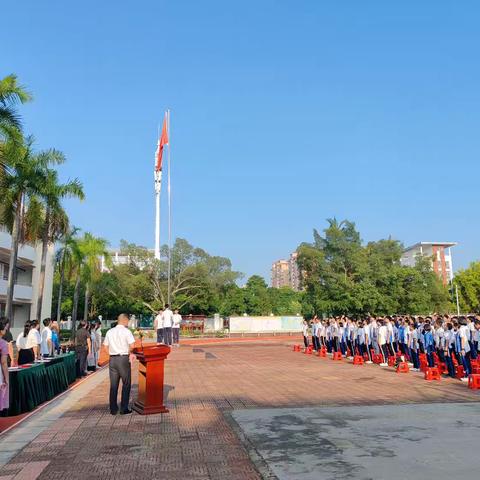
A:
(22, 177)
(257, 298)
(92, 250)
(54, 217)
(341, 276)
(468, 283)
(11, 94)
(64, 258)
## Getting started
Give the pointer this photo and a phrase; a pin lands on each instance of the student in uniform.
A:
(313, 333)
(471, 329)
(449, 348)
(476, 336)
(341, 338)
(328, 336)
(177, 320)
(46, 346)
(323, 329)
(382, 342)
(158, 326)
(413, 346)
(429, 344)
(439, 338)
(463, 346)
(305, 333)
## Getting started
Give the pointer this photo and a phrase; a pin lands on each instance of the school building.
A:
(440, 254)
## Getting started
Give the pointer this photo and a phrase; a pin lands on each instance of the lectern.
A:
(150, 379)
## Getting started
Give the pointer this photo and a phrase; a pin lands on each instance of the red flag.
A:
(162, 141)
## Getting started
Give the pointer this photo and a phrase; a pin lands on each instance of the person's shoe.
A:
(384, 364)
(368, 361)
(464, 379)
(126, 412)
(113, 413)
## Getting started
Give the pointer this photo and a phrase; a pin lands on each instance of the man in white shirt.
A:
(46, 346)
(158, 326)
(119, 341)
(177, 320)
(167, 325)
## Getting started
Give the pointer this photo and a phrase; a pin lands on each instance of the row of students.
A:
(449, 337)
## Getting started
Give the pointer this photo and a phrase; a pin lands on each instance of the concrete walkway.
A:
(394, 442)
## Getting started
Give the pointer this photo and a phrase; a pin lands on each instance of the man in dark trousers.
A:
(83, 347)
(119, 341)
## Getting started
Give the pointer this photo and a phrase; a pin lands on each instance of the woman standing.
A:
(4, 392)
(25, 351)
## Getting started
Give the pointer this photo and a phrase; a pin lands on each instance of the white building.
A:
(25, 292)
(440, 254)
(117, 257)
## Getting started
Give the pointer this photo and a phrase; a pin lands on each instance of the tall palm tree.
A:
(93, 249)
(22, 176)
(55, 220)
(11, 94)
(64, 258)
(77, 261)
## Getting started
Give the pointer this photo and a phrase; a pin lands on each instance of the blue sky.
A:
(283, 114)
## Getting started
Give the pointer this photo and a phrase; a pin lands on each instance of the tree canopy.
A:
(340, 275)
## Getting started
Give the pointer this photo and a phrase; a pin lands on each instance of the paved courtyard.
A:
(211, 390)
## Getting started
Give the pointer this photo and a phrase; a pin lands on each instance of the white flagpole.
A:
(158, 187)
(169, 211)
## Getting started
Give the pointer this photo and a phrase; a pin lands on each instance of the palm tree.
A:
(64, 258)
(93, 249)
(77, 261)
(55, 220)
(22, 176)
(11, 94)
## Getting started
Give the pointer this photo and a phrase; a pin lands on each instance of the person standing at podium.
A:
(120, 342)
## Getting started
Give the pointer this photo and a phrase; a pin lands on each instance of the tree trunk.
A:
(76, 294)
(12, 271)
(43, 265)
(60, 287)
(85, 311)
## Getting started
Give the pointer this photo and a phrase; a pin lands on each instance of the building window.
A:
(3, 271)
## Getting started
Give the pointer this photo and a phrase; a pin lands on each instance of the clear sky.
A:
(284, 113)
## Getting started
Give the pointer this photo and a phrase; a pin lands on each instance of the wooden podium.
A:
(150, 379)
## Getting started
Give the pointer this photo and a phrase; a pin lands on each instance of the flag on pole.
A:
(162, 141)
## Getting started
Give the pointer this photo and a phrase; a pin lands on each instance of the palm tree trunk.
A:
(12, 271)
(60, 287)
(43, 265)
(87, 294)
(76, 294)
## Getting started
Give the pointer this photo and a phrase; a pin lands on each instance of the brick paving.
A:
(196, 439)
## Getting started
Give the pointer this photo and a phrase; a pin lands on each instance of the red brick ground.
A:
(195, 440)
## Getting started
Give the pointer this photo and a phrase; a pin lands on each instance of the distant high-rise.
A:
(281, 274)
(285, 273)
(294, 272)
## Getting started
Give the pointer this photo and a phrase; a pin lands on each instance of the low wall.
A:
(265, 324)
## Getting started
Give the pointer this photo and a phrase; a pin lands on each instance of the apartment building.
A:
(440, 254)
(25, 293)
(285, 273)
